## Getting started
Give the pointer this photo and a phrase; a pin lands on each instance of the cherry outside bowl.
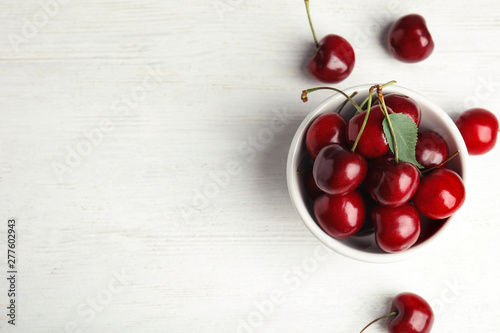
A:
(365, 248)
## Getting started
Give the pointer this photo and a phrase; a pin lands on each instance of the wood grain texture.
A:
(118, 117)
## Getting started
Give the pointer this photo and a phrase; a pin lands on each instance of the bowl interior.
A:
(365, 248)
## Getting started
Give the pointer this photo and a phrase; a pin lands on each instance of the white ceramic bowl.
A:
(365, 248)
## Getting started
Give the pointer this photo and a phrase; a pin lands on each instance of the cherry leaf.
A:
(406, 133)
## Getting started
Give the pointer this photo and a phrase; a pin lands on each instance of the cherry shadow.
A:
(271, 161)
(305, 54)
(383, 35)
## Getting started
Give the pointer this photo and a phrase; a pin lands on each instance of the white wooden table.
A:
(142, 160)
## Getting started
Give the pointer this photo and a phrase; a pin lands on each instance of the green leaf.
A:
(406, 132)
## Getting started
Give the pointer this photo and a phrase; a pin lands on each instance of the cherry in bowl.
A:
(364, 247)
(432, 149)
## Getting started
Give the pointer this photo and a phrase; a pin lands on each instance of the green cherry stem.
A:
(441, 164)
(365, 120)
(393, 134)
(310, 23)
(307, 91)
(380, 318)
(345, 102)
(383, 86)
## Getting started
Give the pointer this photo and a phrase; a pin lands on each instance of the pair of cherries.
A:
(409, 40)
(356, 183)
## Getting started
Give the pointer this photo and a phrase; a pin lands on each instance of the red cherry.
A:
(479, 128)
(403, 104)
(338, 171)
(390, 183)
(396, 228)
(409, 39)
(440, 194)
(310, 185)
(413, 314)
(410, 313)
(340, 216)
(325, 130)
(373, 142)
(431, 149)
(333, 59)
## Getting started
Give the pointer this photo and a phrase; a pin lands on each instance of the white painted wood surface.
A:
(114, 235)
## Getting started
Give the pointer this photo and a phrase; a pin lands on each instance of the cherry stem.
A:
(307, 91)
(310, 23)
(380, 318)
(383, 86)
(442, 163)
(365, 120)
(384, 108)
(345, 102)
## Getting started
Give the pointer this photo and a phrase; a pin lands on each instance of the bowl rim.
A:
(301, 207)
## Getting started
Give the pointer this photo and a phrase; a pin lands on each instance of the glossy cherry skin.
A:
(373, 142)
(396, 228)
(390, 183)
(403, 104)
(325, 130)
(310, 185)
(333, 59)
(340, 216)
(479, 128)
(440, 194)
(431, 149)
(414, 315)
(409, 39)
(338, 171)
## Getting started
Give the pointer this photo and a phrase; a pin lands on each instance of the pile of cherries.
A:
(359, 186)
(356, 181)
